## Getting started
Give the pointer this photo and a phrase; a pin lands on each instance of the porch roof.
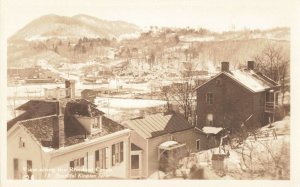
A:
(169, 145)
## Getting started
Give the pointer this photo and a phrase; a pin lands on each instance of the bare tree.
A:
(274, 62)
(265, 156)
(182, 93)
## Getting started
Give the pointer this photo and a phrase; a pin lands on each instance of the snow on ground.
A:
(128, 103)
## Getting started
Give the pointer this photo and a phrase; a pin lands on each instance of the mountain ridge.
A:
(78, 26)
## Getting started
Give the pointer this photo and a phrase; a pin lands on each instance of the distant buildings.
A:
(31, 75)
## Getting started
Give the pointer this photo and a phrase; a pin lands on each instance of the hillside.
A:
(50, 26)
(82, 38)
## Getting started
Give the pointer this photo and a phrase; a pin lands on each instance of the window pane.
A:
(134, 161)
(97, 155)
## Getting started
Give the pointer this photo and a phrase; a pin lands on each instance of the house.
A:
(63, 137)
(158, 135)
(236, 99)
(39, 148)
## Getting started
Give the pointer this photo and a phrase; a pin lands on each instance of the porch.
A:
(271, 101)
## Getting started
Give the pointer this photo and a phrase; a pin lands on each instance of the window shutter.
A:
(113, 154)
(121, 152)
(97, 155)
(106, 158)
(72, 164)
(81, 161)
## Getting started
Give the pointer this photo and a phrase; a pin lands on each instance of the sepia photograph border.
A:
(295, 122)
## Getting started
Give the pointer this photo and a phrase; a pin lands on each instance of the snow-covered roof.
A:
(212, 130)
(167, 144)
(252, 80)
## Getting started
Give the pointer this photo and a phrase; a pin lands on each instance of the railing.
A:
(270, 107)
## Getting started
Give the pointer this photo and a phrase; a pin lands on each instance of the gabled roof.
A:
(158, 124)
(41, 108)
(251, 80)
(42, 130)
(34, 109)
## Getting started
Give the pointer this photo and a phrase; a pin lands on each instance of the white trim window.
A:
(117, 153)
(101, 158)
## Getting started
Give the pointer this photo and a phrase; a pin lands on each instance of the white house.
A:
(32, 151)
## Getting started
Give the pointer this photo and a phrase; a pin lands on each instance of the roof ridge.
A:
(32, 119)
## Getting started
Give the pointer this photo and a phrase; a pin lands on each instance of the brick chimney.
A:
(71, 92)
(225, 66)
(250, 65)
(58, 139)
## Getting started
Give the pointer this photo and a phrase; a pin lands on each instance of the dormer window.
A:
(97, 123)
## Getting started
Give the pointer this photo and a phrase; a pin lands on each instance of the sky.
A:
(216, 15)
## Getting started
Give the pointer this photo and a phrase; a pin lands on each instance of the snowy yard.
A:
(263, 158)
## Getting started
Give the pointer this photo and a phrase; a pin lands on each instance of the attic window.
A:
(218, 82)
(209, 98)
(21, 142)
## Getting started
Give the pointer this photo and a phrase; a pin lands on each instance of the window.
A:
(77, 163)
(198, 144)
(21, 142)
(101, 157)
(209, 119)
(135, 162)
(117, 153)
(276, 98)
(97, 122)
(209, 98)
(16, 168)
(29, 169)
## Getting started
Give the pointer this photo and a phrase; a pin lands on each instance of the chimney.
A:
(58, 139)
(225, 66)
(71, 92)
(250, 65)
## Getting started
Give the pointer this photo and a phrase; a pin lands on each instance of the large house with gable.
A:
(236, 98)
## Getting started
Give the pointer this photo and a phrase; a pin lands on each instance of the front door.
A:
(136, 165)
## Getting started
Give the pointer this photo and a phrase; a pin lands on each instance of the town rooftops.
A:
(34, 109)
(45, 107)
(251, 80)
(158, 124)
